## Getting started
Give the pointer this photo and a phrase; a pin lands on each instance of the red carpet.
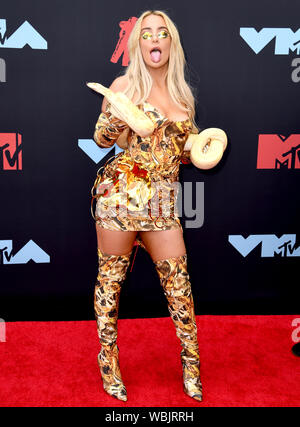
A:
(245, 361)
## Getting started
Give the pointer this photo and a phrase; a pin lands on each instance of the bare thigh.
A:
(115, 242)
(164, 244)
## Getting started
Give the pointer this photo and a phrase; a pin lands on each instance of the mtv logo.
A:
(10, 151)
(121, 45)
(277, 152)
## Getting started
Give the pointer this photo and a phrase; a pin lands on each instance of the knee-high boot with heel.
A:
(111, 274)
(174, 279)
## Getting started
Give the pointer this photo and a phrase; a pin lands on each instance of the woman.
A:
(149, 168)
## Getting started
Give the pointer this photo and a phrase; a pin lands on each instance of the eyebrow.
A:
(149, 28)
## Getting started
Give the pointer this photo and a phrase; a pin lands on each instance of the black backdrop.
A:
(252, 94)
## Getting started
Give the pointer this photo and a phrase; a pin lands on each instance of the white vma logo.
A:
(31, 251)
(283, 246)
(285, 39)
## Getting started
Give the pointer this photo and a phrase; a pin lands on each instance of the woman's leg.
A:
(167, 250)
(115, 242)
(164, 244)
(114, 250)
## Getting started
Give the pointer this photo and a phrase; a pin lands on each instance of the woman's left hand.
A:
(122, 141)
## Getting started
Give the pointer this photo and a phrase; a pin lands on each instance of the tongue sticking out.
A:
(155, 55)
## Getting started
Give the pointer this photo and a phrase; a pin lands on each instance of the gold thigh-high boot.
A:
(111, 274)
(174, 279)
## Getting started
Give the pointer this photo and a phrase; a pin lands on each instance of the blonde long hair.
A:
(140, 80)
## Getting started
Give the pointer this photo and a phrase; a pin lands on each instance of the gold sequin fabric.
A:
(108, 361)
(138, 189)
(111, 274)
(174, 279)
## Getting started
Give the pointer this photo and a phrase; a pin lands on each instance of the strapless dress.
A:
(138, 189)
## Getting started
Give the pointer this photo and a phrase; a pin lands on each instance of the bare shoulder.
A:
(118, 85)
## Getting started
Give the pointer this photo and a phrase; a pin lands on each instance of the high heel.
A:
(111, 274)
(174, 279)
(192, 385)
(108, 362)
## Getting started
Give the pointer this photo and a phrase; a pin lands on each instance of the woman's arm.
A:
(186, 154)
(108, 127)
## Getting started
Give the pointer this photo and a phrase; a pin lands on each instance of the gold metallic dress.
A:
(138, 189)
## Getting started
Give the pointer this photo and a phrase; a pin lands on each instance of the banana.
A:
(126, 110)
